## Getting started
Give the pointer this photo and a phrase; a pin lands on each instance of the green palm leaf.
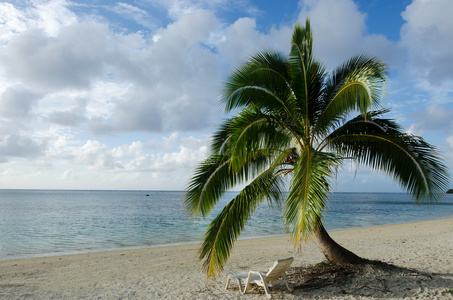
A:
(262, 81)
(380, 144)
(224, 230)
(213, 177)
(253, 133)
(355, 86)
(300, 59)
(309, 193)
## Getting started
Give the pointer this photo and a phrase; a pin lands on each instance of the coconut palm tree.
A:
(292, 118)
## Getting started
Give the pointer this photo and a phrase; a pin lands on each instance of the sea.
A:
(40, 223)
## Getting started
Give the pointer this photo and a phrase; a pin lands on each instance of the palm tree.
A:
(294, 119)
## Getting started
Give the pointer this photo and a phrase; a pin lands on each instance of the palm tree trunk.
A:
(335, 253)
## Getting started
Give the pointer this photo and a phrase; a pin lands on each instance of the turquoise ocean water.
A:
(37, 223)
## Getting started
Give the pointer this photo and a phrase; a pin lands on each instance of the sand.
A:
(422, 252)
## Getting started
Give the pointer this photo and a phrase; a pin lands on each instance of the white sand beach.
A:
(422, 251)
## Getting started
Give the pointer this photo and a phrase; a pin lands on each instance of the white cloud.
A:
(134, 13)
(339, 32)
(434, 117)
(72, 117)
(188, 153)
(334, 37)
(414, 129)
(449, 153)
(183, 159)
(130, 158)
(70, 60)
(17, 103)
(138, 113)
(128, 83)
(242, 40)
(68, 174)
(52, 15)
(48, 16)
(177, 8)
(12, 21)
(20, 145)
(127, 151)
(174, 79)
(428, 38)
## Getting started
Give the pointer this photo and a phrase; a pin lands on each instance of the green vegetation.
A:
(291, 119)
(322, 264)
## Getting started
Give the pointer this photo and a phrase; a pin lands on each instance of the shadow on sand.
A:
(375, 279)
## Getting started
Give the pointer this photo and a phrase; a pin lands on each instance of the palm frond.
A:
(253, 133)
(209, 182)
(263, 82)
(213, 177)
(380, 144)
(309, 193)
(356, 86)
(316, 102)
(301, 63)
(224, 230)
(220, 138)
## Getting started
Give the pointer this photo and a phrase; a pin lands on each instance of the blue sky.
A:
(124, 94)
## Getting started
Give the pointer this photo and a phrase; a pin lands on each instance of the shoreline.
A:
(175, 273)
(177, 244)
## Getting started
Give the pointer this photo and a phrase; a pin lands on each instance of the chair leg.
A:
(247, 285)
(266, 289)
(228, 283)
(287, 283)
(240, 287)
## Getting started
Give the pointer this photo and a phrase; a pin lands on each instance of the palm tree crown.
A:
(294, 118)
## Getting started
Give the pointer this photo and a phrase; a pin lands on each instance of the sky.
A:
(124, 95)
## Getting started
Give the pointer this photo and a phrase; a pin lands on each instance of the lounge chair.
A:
(265, 280)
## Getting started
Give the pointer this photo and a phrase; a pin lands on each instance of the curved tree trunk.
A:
(335, 253)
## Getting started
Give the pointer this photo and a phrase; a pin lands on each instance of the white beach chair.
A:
(265, 280)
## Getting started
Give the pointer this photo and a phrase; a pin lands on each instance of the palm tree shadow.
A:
(373, 279)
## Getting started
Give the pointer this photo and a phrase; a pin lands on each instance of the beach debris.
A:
(376, 279)
(320, 275)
